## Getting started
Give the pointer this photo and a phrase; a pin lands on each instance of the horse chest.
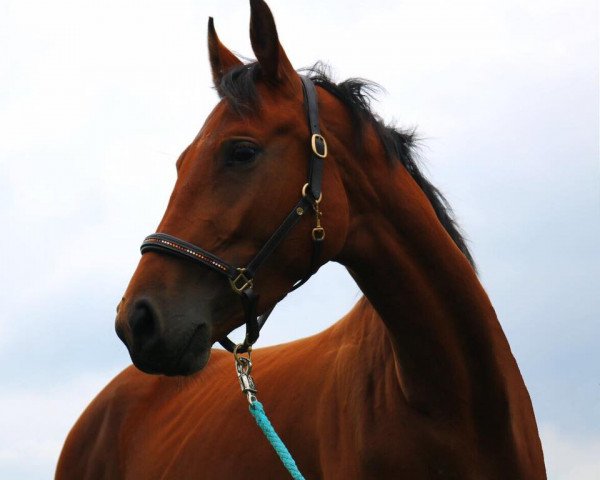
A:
(221, 442)
(159, 429)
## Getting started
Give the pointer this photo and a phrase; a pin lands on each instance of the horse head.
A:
(236, 183)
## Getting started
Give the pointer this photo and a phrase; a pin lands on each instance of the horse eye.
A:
(243, 152)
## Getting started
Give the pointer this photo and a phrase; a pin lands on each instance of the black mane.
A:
(238, 87)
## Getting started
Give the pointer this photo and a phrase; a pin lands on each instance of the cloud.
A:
(35, 421)
(568, 456)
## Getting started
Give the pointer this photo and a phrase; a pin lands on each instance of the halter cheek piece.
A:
(241, 279)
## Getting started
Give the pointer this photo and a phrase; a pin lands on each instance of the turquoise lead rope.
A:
(258, 412)
(243, 366)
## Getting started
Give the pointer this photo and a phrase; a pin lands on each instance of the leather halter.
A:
(241, 279)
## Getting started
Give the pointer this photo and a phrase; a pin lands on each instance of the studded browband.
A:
(241, 279)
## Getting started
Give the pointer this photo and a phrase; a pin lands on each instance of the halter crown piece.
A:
(241, 279)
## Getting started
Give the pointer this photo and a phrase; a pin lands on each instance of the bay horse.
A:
(417, 381)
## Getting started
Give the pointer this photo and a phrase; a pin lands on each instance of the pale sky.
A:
(97, 100)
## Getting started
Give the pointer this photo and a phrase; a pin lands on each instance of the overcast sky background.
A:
(97, 100)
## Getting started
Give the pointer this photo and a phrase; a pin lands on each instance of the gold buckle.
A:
(313, 144)
(241, 282)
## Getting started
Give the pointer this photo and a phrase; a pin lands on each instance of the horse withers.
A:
(417, 381)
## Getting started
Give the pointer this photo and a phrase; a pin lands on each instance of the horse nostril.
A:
(143, 321)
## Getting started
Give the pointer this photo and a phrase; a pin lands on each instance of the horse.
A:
(417, 381)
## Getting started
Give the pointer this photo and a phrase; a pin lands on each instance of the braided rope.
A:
(258, 412)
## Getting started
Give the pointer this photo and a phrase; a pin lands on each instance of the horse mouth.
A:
(192, 358)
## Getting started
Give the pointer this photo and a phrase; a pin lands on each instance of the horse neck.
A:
(450, 353)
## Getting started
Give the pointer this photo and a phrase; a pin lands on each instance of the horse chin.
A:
(187, 368)
(193, 357)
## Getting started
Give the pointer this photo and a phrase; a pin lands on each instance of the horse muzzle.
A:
(159, 343)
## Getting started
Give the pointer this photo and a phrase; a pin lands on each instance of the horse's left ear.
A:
(221, 59)
(265, 44)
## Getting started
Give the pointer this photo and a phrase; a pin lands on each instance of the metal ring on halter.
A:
(236, 355)
(315, 148)
(317, 200)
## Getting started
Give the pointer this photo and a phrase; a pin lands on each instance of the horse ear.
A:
(221, 59)
(265, 44)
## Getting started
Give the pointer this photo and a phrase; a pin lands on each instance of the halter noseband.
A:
(241, 279)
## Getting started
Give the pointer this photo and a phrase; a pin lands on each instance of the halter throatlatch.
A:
(241, 279)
